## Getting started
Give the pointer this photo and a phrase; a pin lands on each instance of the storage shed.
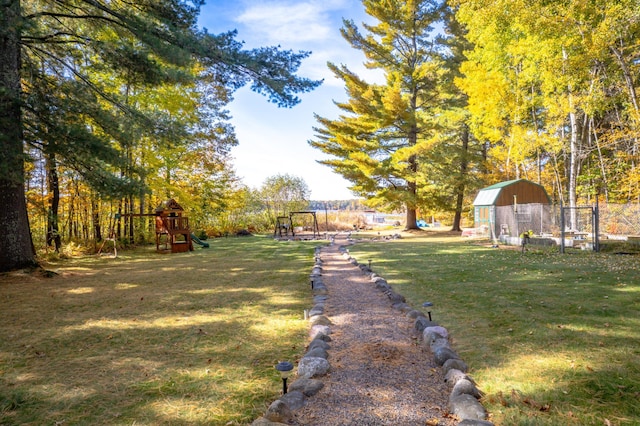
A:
(511, 207)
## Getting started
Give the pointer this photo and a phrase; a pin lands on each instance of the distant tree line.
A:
(342, 205)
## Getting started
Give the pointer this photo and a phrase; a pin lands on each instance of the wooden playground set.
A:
(173, 234)
(172, 228)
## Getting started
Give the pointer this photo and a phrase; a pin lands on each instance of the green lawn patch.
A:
(154, 339)
(192, 338)
(552, 339)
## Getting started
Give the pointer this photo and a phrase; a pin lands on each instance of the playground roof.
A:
(503, 193)
(169, 206)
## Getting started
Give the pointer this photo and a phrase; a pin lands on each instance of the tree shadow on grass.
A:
(153, 340)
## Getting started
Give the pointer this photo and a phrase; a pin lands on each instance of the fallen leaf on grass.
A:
(534, 404)
(502, 400)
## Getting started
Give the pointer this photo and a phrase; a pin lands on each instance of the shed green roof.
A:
(501, 184)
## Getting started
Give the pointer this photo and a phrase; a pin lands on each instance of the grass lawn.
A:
(551, 339)
(192, 338)
(153, 339)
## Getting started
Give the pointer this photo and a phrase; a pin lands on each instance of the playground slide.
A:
(199, 241)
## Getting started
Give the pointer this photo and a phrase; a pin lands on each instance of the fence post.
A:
(596, 226)
(561, 228)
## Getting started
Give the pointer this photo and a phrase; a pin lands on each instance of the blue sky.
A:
(273, 140)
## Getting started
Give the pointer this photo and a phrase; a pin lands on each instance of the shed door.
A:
(482, 215)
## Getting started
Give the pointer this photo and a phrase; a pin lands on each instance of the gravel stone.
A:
(422, 323)
(309, 387)
(440, 331)
(470, 422)
(293, 399)
(317, 353)
(454, 364)
(261, 421)
(467, 407)
(378, 376)
(413, 314)
(317, 343)
(319, 329)
(278, 411)
(466, 386)
(453, 376)
(313, 366)
(442, 354)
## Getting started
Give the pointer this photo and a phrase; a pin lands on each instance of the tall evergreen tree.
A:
(16, 249)
(450, 167)
(377, 143)
(53, 45)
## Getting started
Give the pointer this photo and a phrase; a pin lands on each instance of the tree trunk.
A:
(97, 229)
(130, 227)
(118, 229)
(411, 218)
(628, 78)
(604, 185)
(53, 232)
(573, 162)
(412, 189)
(457, 219)
(16, 246)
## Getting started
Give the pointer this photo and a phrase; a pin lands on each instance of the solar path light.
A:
(285, 368)
(428, 305)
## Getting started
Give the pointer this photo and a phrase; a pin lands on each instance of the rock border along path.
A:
(372, 359)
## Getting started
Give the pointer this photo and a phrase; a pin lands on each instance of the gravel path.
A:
(380, 373)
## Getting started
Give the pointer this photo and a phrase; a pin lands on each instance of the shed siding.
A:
(526, 193)
(494, 207)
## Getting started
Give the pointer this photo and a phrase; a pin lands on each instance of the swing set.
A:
(305, 230)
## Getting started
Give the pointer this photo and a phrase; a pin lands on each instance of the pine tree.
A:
(451, 166)
(16, 249)
(377, 142)
(56, 47)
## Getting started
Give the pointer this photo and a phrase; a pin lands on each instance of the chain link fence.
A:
(619, 222)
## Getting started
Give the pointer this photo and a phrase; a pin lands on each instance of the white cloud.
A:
(286, 23)
(274, 140)
(312, 25)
